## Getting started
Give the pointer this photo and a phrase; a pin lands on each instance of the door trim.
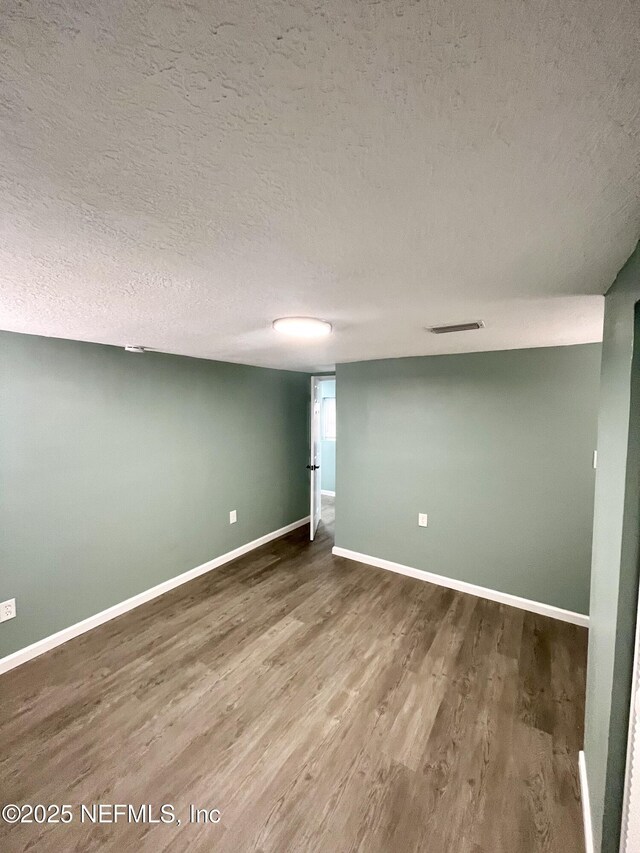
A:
(315, 435)
(586, 803)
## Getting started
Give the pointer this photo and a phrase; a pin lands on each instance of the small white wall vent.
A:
(457, 327)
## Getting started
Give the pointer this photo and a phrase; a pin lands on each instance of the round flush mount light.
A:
(302, 327)
(134, 349)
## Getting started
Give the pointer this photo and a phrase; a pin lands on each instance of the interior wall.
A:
(631, 832)
(119, 472)
(614, 576)
(327, 447)
(495, 447)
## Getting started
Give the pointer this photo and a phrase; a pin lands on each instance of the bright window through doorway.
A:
(329, 418)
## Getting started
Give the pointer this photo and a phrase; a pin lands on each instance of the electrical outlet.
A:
(7, 610)
(423, 519)
(233, 516)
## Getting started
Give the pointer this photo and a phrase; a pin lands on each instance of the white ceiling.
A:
(178, 174)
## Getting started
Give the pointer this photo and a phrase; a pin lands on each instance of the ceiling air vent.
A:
(457, 327)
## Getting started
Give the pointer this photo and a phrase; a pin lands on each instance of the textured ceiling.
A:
(177, 174)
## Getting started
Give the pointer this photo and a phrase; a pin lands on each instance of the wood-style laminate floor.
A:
(319, 704)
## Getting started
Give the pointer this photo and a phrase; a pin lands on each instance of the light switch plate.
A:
(233, 516)
(423, 519)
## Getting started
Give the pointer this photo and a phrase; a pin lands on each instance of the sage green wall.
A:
(614, 575)
(496, 447)
(118, 472)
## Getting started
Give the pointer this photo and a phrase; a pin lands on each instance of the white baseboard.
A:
(44, 645)
(327, 492)
(470, 588)
(586, 804)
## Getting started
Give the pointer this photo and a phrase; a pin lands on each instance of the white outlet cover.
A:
(233, 516)
(423, 519)
(7, 609)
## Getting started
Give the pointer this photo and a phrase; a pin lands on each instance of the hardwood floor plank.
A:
(320, 704)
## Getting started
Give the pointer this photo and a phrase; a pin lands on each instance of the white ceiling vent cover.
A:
(457, 327)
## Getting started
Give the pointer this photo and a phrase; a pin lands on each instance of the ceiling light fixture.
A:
(134, 349)
(302, 327)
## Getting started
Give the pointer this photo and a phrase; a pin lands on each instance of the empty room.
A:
(320, 426)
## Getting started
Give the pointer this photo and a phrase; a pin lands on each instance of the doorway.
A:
(322, 463)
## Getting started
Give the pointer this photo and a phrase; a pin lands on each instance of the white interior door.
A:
(314, 460)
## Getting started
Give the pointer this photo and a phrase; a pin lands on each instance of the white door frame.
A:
(314, 457)
(630, 830)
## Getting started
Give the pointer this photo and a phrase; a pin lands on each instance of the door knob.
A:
(313, 467)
